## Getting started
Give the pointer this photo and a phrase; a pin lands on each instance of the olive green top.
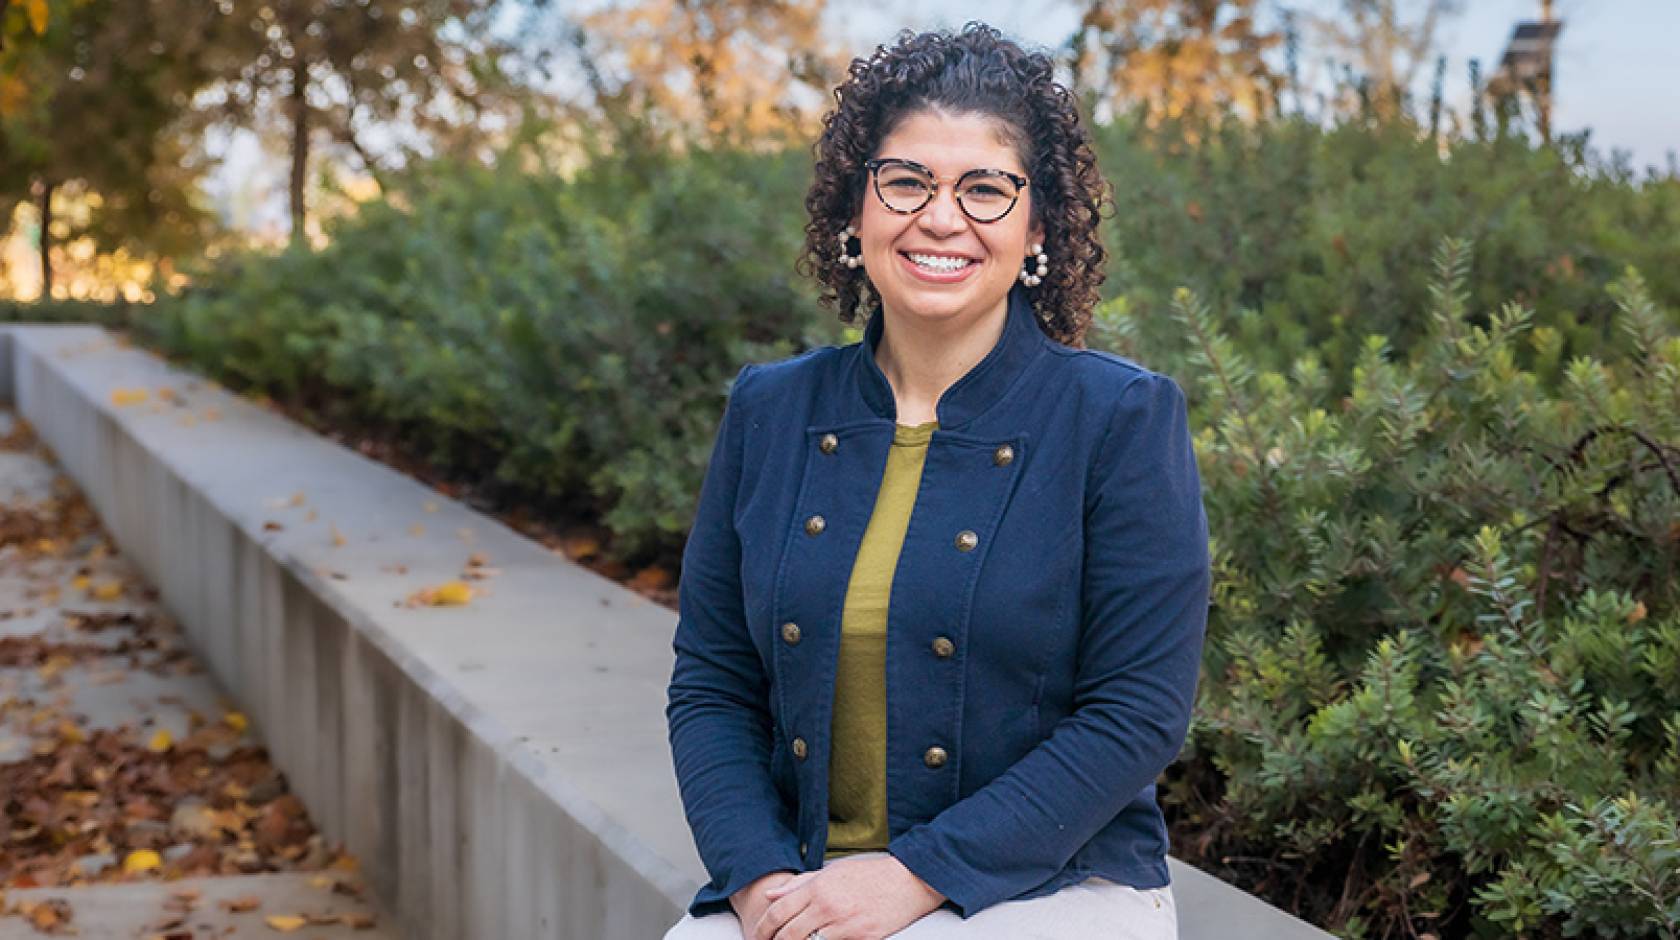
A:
(857, 774)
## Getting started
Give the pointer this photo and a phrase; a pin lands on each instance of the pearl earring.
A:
(1034, 277)
(847, 259)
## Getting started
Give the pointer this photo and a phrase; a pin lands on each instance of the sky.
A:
(1616, 72)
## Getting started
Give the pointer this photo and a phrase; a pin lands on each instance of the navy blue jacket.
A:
(1044, 627)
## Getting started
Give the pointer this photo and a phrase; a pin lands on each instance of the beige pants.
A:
(1094, 909)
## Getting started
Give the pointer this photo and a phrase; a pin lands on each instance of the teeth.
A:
(938, 263)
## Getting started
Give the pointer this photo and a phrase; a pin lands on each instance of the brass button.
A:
(799, 750)
(829, 444)
(790, 632)
(1003, 455)
(815, 525)
(943, 647)
(966, 540)
(805, 849)
(935, 757)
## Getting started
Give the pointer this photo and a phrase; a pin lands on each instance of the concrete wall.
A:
(500, 769)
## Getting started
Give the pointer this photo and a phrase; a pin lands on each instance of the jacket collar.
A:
(968, 397)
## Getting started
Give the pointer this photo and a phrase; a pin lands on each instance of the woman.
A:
(941, 610)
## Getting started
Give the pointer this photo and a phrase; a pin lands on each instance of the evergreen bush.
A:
(1442, 682)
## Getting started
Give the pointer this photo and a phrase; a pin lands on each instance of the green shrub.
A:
(1315, 235)
(1442, 682)
(563, 341)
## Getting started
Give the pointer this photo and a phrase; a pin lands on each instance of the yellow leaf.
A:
(141, 860)
(236, 721)
(107, 590)
(127, 396)
(286, 923)
(81, 583)
(160, 742)
(70, 733)
(37, 10)
(451, 592)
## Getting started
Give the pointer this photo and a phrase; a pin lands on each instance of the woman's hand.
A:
(852, 899)
(749, 902)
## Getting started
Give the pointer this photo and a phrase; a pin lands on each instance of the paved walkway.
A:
(135, 800)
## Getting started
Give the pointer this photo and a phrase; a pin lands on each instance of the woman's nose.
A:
(943, 216)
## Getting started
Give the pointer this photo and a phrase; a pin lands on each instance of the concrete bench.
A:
(500, 768)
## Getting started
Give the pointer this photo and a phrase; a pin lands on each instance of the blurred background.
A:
(1413, 261)
(149, 132)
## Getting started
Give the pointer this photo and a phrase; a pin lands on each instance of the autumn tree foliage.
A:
(418, 73)
(89, 102)
(1177, 57)
(717, 70)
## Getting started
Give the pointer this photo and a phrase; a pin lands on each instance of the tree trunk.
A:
(300, 144)
(46, 239)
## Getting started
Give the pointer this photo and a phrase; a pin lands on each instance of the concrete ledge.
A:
(501, 768)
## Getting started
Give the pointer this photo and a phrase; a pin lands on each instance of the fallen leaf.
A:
(237, 721)
(142, 860)
(128, 396)
(107, 590)
(286, 923)
(449, 593)
(160, 742)
(242, 905)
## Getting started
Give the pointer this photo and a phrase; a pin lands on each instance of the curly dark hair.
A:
(976, 71)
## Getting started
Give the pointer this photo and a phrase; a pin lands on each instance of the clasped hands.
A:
(866, 898)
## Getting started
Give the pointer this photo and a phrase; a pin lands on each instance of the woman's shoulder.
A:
(1102, 375)
(779, 380)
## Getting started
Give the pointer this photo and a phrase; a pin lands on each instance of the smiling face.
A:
(938, 264)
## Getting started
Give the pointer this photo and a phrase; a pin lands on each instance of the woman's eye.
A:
(906, 185)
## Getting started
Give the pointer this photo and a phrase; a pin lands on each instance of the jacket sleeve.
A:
(717, 710)
(1143, 615)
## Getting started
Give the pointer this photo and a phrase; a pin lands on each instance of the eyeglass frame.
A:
(873, 168)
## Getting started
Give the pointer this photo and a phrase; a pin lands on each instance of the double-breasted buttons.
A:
(829, 443)
(943, 647)
(790, 633)
(815, 525)
(799, 749)
(935, 757)
(1003, 455)
(966, 540)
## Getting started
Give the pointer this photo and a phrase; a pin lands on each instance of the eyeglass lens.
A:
(984, 195)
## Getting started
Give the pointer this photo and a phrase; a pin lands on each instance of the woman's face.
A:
(989, 255)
